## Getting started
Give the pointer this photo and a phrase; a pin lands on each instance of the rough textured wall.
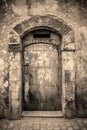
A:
(81, 72)
(72, 12)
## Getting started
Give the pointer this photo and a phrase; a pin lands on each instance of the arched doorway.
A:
(65, 52)
(42, 89)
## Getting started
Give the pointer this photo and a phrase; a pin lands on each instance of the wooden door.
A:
(41, 80)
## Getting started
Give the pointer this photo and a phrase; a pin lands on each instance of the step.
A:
(42, 114)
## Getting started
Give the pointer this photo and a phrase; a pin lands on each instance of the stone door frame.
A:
(15, 63)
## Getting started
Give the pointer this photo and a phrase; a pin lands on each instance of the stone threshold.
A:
(42, 114)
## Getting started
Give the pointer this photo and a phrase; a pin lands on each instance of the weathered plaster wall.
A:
(73, 13)
(81, 71)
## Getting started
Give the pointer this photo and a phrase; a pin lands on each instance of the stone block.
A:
(14, 56)
(15, 65)
(68, 83)
(68, 38)
(15, 75)
(68, 42)
(15, 89)
(26, 24)
(68, 60)
(58, 128)
(36, 126)
(69, 76)
(14, 47)
(69, 47)
(14, 95)
(69, 102)
(70, 91)
(1, 62)
(19, 28)
(70, 128)
(14, 37)
(14, 109)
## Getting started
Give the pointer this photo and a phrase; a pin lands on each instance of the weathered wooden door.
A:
(41, 80)
(42, 90)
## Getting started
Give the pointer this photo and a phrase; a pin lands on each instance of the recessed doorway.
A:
(42, 89)
(55, 33)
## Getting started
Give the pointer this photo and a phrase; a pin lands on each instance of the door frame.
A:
(15, 62)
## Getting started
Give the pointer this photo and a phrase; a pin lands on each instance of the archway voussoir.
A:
(47, 21)
(68, 38)
(19, 29)
(26, 23)
(14, 37)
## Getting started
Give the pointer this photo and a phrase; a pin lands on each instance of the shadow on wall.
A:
(81, 98)
(5, 5)
(81, 73)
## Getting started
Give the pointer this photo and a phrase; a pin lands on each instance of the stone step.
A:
(42, 114)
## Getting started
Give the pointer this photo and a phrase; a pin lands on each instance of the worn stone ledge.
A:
(15, 47)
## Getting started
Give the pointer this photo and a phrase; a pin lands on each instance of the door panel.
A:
(41, 82)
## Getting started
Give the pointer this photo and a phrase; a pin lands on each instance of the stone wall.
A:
(73, 13)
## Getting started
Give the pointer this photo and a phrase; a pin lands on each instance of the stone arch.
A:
(68, 57)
